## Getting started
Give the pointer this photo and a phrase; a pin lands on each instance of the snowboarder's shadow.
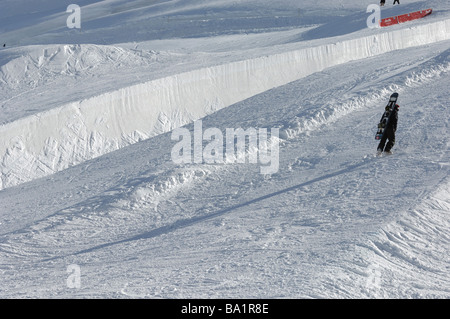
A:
(183, 223)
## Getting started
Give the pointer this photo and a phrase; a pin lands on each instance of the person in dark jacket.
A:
(389, 134)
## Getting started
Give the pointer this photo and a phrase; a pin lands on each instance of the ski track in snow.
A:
(334, 222)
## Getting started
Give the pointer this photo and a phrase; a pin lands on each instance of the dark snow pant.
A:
(382, 2)
(389, 136)
(397, 1)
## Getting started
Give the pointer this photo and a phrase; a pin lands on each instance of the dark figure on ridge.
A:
(389, 134)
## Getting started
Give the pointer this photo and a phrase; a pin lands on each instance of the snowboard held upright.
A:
(389, 110)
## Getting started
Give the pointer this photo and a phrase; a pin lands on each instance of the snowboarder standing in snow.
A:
(389, 134)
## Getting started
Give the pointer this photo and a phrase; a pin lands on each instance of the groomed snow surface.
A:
(93, 205)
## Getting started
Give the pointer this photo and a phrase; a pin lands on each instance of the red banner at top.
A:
(405, 17)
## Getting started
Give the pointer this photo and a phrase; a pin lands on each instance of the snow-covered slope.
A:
(52, 140)
(88, 178)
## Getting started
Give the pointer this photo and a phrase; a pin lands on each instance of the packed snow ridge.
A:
(58, 138)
